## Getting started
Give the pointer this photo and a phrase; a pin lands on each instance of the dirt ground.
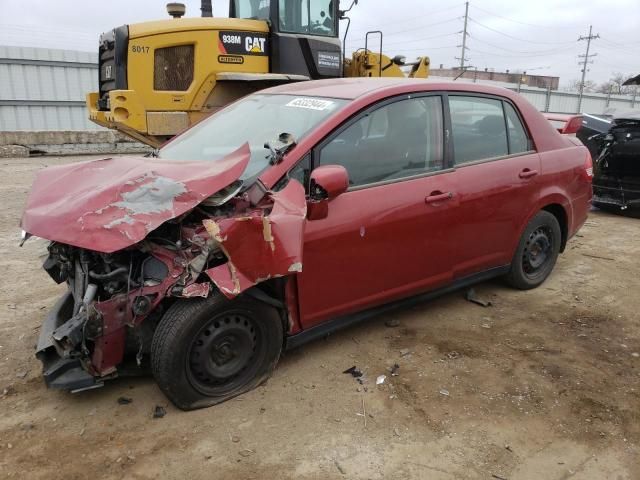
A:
(543, 384)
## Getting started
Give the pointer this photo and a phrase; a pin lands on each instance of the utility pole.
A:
(585, 62)
(464, 36)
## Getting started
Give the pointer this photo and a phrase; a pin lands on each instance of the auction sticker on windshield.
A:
(310, 103)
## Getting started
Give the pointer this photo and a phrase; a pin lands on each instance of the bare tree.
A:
(574, 86)
(617, 79)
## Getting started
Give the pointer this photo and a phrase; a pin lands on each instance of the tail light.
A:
(588, 166)
(573, 125)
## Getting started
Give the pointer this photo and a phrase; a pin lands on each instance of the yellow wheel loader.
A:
(158, 78)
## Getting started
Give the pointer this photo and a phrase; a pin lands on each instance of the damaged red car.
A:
(290, 213)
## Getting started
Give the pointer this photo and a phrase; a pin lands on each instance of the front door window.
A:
(398, 140)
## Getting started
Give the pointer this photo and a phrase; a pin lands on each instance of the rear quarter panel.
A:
(563, 182)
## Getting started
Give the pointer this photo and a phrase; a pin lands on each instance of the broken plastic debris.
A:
(353, 371)
(380, 380)
(159, 412)
(473, 298)
(444, 392)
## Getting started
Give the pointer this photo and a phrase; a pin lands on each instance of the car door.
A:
(388, 236)
(497, 180)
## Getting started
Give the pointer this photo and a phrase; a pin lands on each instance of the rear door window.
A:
(478, 128)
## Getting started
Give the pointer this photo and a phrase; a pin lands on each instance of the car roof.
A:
(353, 88)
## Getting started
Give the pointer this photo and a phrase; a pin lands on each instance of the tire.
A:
(537, 252)
(206, 351)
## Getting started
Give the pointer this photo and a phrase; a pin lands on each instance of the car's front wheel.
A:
(205, 351)
(537, 252)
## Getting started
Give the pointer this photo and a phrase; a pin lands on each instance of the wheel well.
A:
(272, 292)
(559, 212)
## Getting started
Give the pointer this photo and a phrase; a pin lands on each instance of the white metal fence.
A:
(557, 101)
(44, 89)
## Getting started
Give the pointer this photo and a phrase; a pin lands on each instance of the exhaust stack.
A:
(206, 8)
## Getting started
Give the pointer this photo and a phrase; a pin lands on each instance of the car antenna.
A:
(464, 70)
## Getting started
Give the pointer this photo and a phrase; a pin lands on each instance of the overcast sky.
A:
(537, 36)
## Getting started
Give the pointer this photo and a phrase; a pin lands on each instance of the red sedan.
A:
(292, 212)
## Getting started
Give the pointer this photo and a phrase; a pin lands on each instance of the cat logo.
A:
(242, 43)
(254, 44)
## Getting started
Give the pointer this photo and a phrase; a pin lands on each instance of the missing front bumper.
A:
(59, 372)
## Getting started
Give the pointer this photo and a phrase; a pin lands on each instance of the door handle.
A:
(527, 173)
(438, 197)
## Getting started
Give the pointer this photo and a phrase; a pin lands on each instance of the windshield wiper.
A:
(276, 154)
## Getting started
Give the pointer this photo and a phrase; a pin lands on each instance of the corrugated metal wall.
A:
(563, 102)
(44, 89)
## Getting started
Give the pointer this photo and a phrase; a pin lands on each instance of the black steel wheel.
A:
(536, 253)
(205, 351)
(222, 353)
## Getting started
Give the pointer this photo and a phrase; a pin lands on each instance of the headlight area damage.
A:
(131, 235)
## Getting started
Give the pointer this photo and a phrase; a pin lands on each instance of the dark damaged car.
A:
(291, 213)
(614, 141)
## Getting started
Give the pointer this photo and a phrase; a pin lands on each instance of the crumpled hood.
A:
(107, 205)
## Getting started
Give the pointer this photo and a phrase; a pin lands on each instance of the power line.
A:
(519, 55)
(516, 38)
(417, 39)
(622, 45)
(512, 20)
(617, 48)
(417, 17)
(421, 27)
(551, 50)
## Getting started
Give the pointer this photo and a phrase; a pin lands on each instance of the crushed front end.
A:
(131, 236)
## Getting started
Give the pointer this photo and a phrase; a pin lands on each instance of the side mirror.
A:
(328, 181)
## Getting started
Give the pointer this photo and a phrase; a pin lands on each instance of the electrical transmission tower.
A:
(585, 62)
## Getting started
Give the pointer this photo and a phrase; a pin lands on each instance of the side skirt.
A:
(325, 329)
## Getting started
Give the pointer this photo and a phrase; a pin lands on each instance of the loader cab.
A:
(303, 38)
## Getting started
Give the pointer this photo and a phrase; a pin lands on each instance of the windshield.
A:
(255, 119)
(254, 9)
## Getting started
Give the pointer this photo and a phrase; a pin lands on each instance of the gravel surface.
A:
(543, 384)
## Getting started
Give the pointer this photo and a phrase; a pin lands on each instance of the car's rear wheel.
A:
(537, 252)
(205, 351)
